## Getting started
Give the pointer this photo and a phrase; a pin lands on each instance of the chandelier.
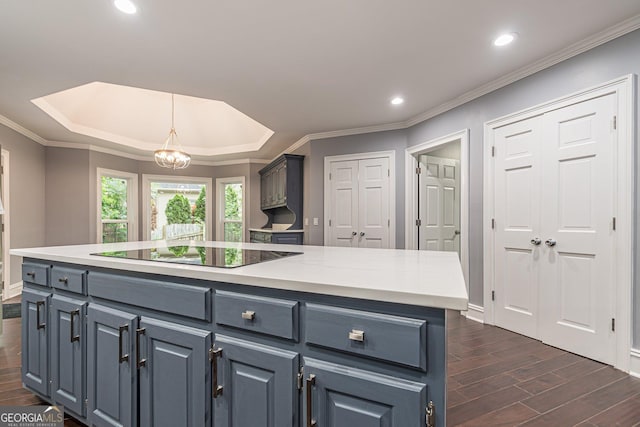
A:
(171, 154)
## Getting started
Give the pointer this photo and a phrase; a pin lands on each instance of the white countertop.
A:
(425, 278)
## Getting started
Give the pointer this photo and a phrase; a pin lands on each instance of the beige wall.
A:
(26, 195)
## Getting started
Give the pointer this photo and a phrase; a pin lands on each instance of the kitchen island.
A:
(324, 337)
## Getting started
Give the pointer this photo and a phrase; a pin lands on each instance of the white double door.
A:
(554, 237)
(439, 207)
(359, 203)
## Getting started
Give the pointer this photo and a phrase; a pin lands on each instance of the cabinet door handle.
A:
(32, 274)
(73, 313)
(356, 335)
(38, 324)
(64, 280)
(139, 362)
(249, 315)
(311, 381)
(214, 353)
(122, 357)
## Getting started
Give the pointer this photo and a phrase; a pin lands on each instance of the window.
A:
(117, 206)
(230, 211)
(176, 208)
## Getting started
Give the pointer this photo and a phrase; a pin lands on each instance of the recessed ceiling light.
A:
(504, 39)
(125, 6)
(397, 100)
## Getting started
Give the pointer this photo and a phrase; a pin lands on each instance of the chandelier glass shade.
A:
(171, 155)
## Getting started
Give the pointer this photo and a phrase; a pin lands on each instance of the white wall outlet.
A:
(306, 221)
(315, 221)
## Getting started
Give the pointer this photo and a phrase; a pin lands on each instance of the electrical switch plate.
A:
(315, 221)
(306, 221)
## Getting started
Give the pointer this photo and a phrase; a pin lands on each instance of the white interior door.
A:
(517, 222)
(344, 203)
(373, 210)
(439, 209)
(359, 198)
(577, 285)
(554, 181)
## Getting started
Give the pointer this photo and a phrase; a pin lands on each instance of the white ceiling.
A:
(294, 66)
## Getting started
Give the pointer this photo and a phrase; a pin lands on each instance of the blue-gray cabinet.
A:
(256, 384)
(111, 370)
(341, 396)
(130, 349)
(68, 341)
(174, 367)
(35, 339)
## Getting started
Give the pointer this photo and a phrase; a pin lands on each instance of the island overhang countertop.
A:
(423, 278)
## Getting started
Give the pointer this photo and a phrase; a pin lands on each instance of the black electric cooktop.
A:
(201, 255)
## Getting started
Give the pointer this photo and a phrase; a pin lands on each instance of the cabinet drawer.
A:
(269, 316)
(176, 298)
(396, 339)
(69, 279)
(36, 273)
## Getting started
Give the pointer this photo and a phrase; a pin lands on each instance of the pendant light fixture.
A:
(171, 154)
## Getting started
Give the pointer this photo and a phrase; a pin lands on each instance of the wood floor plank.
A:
(624, 414)
(506, 417)
(573, 389)
(541, 383)
(545, 366)
(470, 410)
(496, 368)
(487, 386)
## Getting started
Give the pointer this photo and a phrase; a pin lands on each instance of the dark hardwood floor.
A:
(499, 378)
(496, 378)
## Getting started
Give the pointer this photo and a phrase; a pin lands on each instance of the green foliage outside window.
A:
(178, 210)
(114, 198)
(200, 211)
(233, 201)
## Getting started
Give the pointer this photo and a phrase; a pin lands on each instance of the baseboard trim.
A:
(634, 367)
(475, 313)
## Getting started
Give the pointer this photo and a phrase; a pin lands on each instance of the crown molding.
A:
(22, 130)
(582, 46)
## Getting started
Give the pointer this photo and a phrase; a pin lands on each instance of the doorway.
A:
(436, 205)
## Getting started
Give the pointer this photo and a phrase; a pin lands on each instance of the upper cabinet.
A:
(281, 190)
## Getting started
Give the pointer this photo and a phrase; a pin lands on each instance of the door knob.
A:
(536, 241)
(550, 242)
(361, 233)
(353, 233)
(456, 232)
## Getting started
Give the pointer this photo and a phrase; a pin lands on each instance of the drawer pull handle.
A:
(356, 335)
(64, 280)
(311, 381)
(139, 362)
(122, 357)
(214, 353)
(38, 324)
(249, 315)
(32, 274)
(73, 313)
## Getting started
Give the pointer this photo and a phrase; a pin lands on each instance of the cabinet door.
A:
(68, 341)
(263, 191)
(269, 188)
(341, 396)
(258, 385)
(280, 184)
(111, 379)
(174, 375)
(35, 340)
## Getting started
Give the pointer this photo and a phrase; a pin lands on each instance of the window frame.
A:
(220, 204)
(132, 202)
(147, 179)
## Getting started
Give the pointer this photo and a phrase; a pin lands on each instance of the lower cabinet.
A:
(111, 371)
(68, 341)
(174, 374)
(340, 396)
(256, 384)
(35, 340)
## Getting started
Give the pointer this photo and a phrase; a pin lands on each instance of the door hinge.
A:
(212, 354)
(300, 378)
(388, 223)
(2, 228)
(418, 222)
(418, 171)
(493, 151)
(613, 325)
(388, 172)
(86, 403)
(493, 223)
(329, 223)
(493, 295)
(614, 223)
(430, 415)
(615, 122)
